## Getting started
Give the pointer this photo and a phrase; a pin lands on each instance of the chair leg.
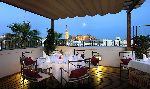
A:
(120, 70)
(128, 73)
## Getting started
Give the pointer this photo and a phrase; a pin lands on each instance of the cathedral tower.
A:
(66, 33)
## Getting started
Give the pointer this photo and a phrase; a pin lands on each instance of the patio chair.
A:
(35, 77)
(94, 61)
(27, 62)
(124, 65)
(79, 52)
(29, 71)
(125, 58)
(79, 74)
(95, 58)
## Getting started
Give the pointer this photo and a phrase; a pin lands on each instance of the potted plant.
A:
(51, 40)
(49, 43)
(141, 45)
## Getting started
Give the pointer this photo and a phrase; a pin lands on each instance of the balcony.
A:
(105, 75)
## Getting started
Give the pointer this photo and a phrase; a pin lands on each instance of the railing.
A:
(93, 43)
(10, 45)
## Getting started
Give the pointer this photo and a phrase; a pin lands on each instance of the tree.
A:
(22, 33)
(141, 44)
(50, 42)
(9, 36)
(57, 36)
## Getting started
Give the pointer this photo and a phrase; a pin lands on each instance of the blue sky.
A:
(108, 26)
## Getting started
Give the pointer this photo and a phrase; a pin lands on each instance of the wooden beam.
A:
(132, 6)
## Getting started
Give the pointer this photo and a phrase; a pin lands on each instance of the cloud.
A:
(83, 24)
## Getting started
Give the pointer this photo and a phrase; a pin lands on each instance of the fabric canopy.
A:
(55, 9)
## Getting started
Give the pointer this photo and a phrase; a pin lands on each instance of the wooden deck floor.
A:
(101, 78)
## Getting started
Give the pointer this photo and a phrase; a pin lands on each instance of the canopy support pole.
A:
(52, 23)
(128, 31)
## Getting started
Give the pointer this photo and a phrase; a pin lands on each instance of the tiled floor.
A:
(101, 78)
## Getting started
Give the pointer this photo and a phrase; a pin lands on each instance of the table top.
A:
(140, 65)
(60, 61)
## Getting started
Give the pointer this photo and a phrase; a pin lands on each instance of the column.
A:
(129, 31)
(52, 30)
(52, 23)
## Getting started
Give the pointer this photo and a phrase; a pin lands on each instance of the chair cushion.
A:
(126, 61)
(84, 70)
(28, 61)
(78, 72)
(82, 55)
(94, 61)
(60, 57)
(31, 73)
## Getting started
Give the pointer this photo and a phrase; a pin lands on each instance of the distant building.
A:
(84, 37)
(106, 42)
(117, 41)
(118, 38)
(88, 40)
(78, 37)
(2, 36)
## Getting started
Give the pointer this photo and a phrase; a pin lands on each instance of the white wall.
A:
(110, 55)
(10, 62)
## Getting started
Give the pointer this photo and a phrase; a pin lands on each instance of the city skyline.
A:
(102, 27)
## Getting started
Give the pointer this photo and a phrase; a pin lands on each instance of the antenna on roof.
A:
(147, 25)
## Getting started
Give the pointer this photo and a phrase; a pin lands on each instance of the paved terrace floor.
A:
(101, 78)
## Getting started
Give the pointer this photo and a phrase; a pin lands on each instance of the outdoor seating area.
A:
(101, 78)
(42, 57)
(65, 68)
(69, 69)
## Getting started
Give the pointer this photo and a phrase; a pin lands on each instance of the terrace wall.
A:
(10, 62)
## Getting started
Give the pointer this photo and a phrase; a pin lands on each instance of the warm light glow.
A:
(98, 74)
(99, 71)
(100, 68)
(21, 80)
(99, 57)
(84, 37)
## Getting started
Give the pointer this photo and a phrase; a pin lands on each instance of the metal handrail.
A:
(62, 69)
